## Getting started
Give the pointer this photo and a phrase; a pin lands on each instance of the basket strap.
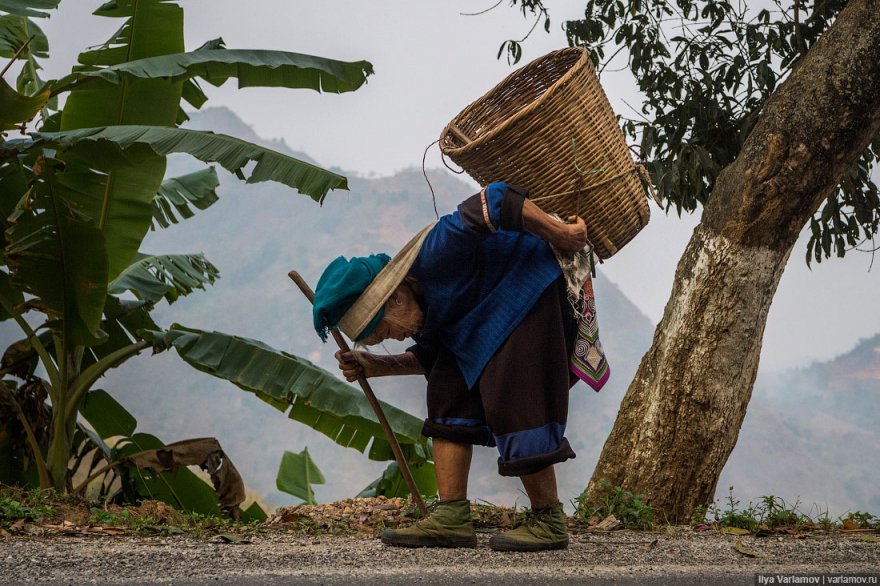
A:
(486, 217)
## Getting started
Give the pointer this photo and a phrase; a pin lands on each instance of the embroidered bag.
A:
(588, 359)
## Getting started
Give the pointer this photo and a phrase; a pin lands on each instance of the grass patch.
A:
(773, 514)
(630, 509)
(12, 510)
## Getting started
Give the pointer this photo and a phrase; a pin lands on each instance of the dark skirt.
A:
(520, 402)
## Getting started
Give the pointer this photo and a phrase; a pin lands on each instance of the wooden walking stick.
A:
(374, 403)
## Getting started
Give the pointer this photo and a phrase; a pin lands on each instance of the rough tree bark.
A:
(681, 416)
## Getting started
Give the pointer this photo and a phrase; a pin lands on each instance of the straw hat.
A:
(362, 312)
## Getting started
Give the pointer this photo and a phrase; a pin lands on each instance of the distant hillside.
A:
(813, 433)
(256, 233)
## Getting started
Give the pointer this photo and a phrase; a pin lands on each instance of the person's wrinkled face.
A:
(403, 317)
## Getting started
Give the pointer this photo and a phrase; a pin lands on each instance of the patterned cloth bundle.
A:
(588, 360)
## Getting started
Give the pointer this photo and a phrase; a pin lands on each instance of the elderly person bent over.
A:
(482, 296)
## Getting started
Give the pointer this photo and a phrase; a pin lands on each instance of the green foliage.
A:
(705, 69)
(57, 257)
(168, 276)
(178, 196)
(313, 396)
(116, 193)
(15, 31)
(863, 520)
(76, 203)
(11, 294)
(252, 68)
(628, 508)
(296, 475)
(106, 415)
(13, 510)
(98, 516)
(771, 513)
(14, 107)
(138, 144)
(28, 7)
(731, 515)
(20, 35)
(180, 488)
(775, 512)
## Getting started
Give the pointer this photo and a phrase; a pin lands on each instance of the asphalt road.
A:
(275, 558)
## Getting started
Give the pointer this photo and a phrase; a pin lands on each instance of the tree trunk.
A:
(681, 416)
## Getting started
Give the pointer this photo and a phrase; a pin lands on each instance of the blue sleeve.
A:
(497, 207)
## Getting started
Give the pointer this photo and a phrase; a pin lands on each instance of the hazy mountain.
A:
(812, 433)
(809, 433)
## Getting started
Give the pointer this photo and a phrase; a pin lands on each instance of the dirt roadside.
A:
(623, 557)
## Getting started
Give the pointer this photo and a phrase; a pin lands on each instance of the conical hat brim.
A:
(362, 312)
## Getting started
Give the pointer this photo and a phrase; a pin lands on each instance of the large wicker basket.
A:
(549, 127)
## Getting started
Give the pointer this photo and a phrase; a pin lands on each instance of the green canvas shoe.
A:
(448, 525)
(543, 529)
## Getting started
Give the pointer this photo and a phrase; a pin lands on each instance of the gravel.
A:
(275, 557)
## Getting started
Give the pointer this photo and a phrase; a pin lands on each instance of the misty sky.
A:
(430, 62)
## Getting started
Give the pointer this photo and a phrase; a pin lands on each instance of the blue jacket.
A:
(481, 274)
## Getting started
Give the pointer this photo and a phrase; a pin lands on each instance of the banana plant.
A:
(306, 393)
(78, 195)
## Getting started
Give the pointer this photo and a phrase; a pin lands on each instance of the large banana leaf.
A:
(58, 256)
(120, 197)
(152, 277)
(179, 195)
(252, 68)
(296, 475)
(16, 109)
(232, 153)
(314, 396)
(15, 32)
(28, 7)
(106, 415)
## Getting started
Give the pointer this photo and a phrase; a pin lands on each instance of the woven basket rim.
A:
(523, 112)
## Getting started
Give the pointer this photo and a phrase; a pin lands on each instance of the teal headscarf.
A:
(339, 287)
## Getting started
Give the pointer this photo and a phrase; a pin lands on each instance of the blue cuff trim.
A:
(530, 442)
